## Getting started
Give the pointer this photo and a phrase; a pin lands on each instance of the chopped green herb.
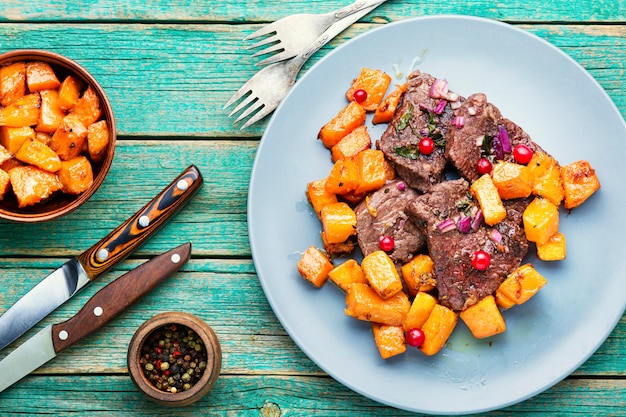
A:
(405, 120)
(409, 151)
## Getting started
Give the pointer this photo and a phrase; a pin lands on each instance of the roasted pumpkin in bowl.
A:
(57, 135)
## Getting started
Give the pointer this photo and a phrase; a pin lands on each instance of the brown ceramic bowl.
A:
(211, 348)
(60, 204)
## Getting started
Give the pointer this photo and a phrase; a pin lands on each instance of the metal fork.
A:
(292, 34)
(265, 90)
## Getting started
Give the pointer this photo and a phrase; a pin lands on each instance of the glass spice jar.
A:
(174, 358)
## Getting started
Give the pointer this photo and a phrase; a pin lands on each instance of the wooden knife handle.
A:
(111, 300)
(118, 244)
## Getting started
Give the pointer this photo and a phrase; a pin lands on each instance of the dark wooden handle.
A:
(121, 242)
(111, 300)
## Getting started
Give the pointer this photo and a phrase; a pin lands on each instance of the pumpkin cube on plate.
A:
(421, 308)
(484, 318)
(338, 222)
(387, 108)
(375, 84)
(350, 145)
(541, 220)
(512, 180)
(418, 274)
(519, 286)
(343, 177)
(346, 274)
(488, 197)
(318, 196)
(382, 274)
(546, 177)
(348, 119)
(372, 172)
(314, 266)
(389, 340)
(363, 303)
(438, 329)
(554, 249)
(580, 182)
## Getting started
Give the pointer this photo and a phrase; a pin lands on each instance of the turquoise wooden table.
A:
(168, 68)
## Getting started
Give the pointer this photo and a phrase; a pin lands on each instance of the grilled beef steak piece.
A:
(417, 118)
(383, 213)
(480, 134)
(458, 283)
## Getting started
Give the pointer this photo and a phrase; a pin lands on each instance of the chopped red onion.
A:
(495, 236)
(459, 121)
(464, 224)
(503, 135)
(446, 226)
(497, 147)
(471, 111)
(439, 89)
(455, 104)
(452, 96)
(476, 220)
(440, 106)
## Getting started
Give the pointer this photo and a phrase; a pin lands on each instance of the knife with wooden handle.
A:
(104, 306)
(75, 274)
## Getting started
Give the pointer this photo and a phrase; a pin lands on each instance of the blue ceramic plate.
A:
(563, 109)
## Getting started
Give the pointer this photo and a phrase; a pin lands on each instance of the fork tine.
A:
(245, 103)
(269, 50)
(265, 30)
(239, 94)
(256, 105)
(264, 41)
(258, 116)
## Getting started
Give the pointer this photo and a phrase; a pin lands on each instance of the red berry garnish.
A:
(484, 166)
(415, 337)
(522, 154)
(481, 260)
(426, 146)
(360, 95)
(386, 243)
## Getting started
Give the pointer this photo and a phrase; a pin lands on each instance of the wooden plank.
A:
(173, 80)
(228, 296)
(239, 11)
(271, 395)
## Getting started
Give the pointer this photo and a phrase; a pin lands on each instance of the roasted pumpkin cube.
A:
(372, 172)
(421, 307)
(519, 286)
(12, 138)
(389, 340)
(348, 119)
(50, 115)
(541, 220)
(390, 171)
(22, 112)
(318, 196)
(387, 108)
(512, 180)
(5, 183)
(382, 274)
(97, 140)
(43, 137)
(346, 274)
(418, 274)
(40, 76)
(87, 108)
(39, 154)
(76, 175)
(363, 303)
(69, 92)
(9, 164)
(343, 177)
(32, 185)
(484, 318)
(546, 177)
(375, 83)
(488, 197)
(351, 144)
(68, 139)
(554, 249)
(438, 329)
(5, 155)
(580, 182)
(12, 82)
(314, 266)
(338, 222)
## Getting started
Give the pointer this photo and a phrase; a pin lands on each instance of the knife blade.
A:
(75, 274)
(104, 306)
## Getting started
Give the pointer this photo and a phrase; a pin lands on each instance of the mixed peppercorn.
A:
(173, 358)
